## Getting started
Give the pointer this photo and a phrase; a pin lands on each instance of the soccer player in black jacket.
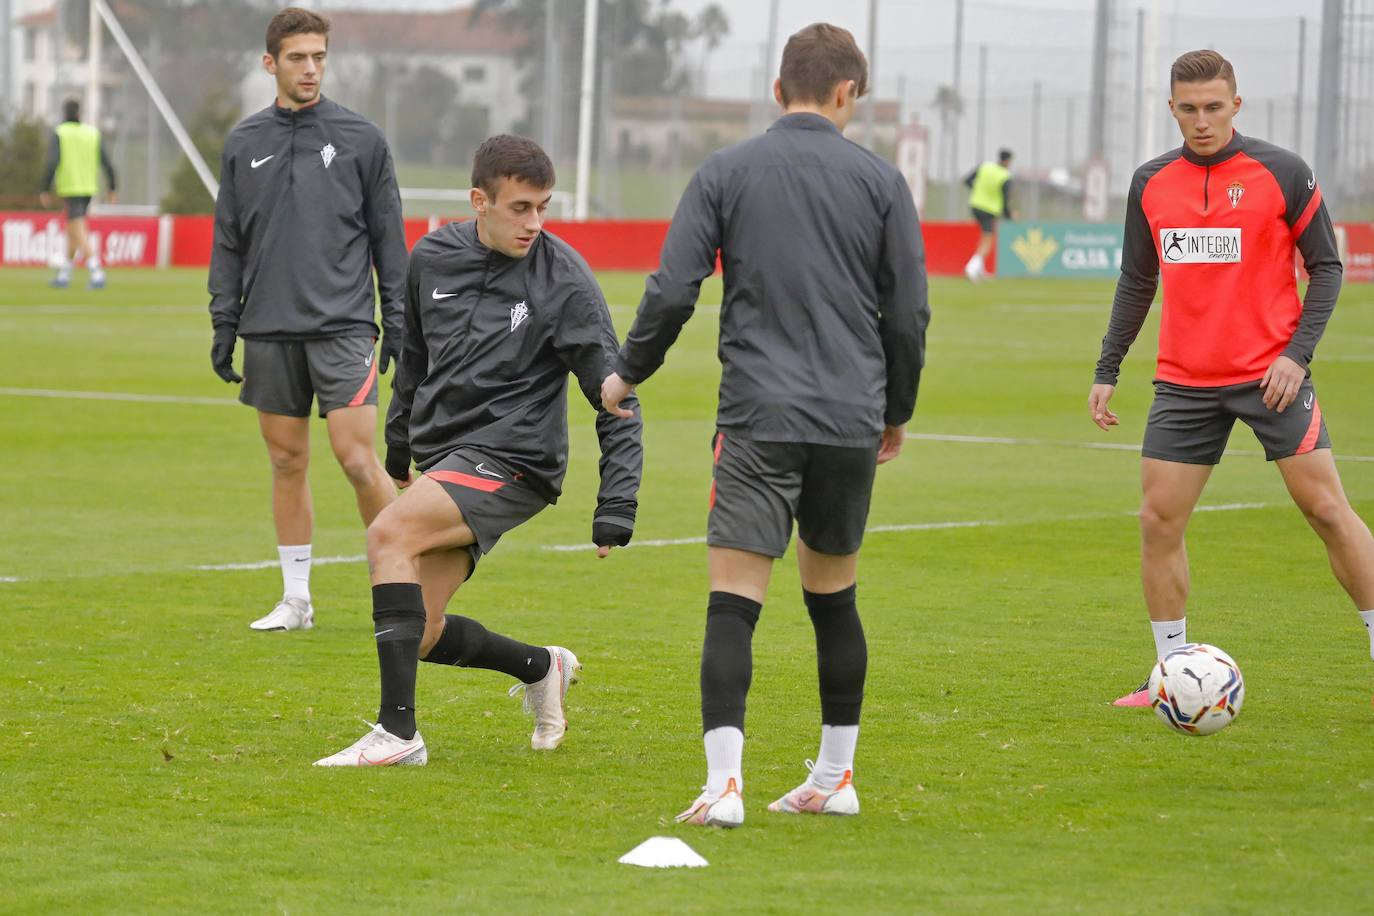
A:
(498, 313)
(307, 207)
(822, 336)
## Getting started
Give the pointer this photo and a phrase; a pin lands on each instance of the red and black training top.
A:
(1220, 232)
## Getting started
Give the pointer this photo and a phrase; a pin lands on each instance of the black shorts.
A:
(1191, 425)
(282, 376)
(492, 496)
(76, 206)
(986, 221)
(757, 488)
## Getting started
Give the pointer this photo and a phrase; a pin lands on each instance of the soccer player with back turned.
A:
(821, 345)
(498, 313)
(307, 207)
(1217, 221)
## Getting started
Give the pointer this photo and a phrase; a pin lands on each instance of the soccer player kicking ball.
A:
(497, 314)
(1217, 222)
(307, 207)
(821, 344)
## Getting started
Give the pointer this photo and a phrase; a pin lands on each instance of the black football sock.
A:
(841, 654)
(468, 644)
(727, 659)
(398, 613)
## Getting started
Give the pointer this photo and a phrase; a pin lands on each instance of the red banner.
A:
(40, 239)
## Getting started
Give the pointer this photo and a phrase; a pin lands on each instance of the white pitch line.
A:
(114, 396)
(1063, 443)
(272, 564)
(8, 579)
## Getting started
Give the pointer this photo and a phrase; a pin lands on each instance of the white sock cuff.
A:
(1169, 635)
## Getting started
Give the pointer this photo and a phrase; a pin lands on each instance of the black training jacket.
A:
(489, 343)
(307, 206)
(822, 329)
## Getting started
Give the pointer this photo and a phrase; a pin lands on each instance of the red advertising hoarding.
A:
(40, 239)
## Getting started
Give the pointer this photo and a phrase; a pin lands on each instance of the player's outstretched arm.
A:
(585, 341)
(1101, 414)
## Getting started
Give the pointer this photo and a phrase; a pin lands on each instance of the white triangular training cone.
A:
(663, 852)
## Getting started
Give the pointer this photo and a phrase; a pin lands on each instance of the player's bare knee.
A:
(288, 462)
(1330, 516)
(1160, 527)
(360, 467)
(386, 539)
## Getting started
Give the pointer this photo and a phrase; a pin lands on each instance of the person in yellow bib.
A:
(989, 198)
(75, 159)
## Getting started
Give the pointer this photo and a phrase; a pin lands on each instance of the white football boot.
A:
(289, 614)
(544, 698)
(379, 748)
(710, 810)
(809, 799)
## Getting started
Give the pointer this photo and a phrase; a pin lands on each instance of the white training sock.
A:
(1169, 635)
(836, 755)
(1368, 618)
(724, 758)
(974, 265)
(295, 571)
(93, 262)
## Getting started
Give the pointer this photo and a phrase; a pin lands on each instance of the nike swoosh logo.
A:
(1173, 635)
(1312, 182)
(481, 470)
(383, 632)
(257, 162)
(439, 295)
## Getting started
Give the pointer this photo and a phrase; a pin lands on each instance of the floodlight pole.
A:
(207, 178)
(93, 68)
(584, 119)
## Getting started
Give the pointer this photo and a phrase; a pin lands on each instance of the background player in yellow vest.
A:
(75, 157)
(989, 198)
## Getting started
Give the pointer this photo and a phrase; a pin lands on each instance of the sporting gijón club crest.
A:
(1235, 190)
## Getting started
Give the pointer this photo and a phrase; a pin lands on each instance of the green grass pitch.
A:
(155, 754)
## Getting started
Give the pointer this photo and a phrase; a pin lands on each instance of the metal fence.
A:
(676, 79)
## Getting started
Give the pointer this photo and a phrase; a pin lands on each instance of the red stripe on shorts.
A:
(715, 460)
(1309, 441)
(485, 484)
(361, 396)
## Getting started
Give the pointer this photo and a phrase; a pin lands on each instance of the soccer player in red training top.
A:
(822, 340)
(1217, 221)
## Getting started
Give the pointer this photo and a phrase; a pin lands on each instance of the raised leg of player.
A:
(739, 582)
(351, 434)
(1316, 488)
(828, 587)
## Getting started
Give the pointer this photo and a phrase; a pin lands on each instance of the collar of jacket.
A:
(288, 115)
(804, 120)
(1226, 152)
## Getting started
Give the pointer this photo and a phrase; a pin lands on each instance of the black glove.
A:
(222, 353)
(397, 462)
(610, 534)
(391, 349)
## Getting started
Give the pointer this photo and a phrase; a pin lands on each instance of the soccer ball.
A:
(1197, 689)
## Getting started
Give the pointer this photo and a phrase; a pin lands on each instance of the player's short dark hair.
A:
(509, 156)
(294, 21)
(71, 110)
(1004, 155)
(1202, 67)
(818, 58)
